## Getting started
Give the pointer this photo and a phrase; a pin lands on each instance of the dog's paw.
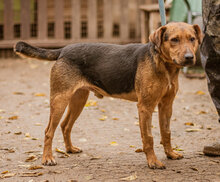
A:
(73, 150)
(49, 161)
(174, 155)
(156, 164)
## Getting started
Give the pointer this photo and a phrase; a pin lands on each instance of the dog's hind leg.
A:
(57, 108)
(76, 104)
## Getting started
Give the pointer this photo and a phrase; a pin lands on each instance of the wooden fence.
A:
(55, 23)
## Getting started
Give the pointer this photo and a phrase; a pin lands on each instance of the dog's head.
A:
(177, 42)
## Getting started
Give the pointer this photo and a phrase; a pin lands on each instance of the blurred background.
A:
(56, 23)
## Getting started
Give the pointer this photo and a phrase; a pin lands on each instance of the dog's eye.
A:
(192, 39)
(175, 40)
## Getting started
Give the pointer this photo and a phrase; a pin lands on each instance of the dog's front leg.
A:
(165, 112)
(145, 117)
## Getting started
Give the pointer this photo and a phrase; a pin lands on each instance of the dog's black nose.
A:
(189, 58)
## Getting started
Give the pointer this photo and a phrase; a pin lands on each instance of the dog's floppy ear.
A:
(198, 33)
(157, 36)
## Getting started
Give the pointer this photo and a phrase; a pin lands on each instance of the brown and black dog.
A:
(143, 73)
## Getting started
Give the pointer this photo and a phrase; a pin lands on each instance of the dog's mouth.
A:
(182, 63)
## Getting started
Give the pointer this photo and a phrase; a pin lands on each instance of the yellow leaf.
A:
(30, 174)
(13, 117)
(139, 150)
(136, 123)
(192, 130)
(18, 93)
(35, 167)
(115, 118)
(31, 158)
(113, 143)
(102, 110)
(189, 124)
(62, 152)
(130, 178)
(38, 124)
(18, 133)
(27, 135)
(8, 175)
(103, 118)
(4, 172)
(1, 117)
(39, 94)
(202, 112)
(177, 148)
(91, 103)
(132, 146)
(200, 92)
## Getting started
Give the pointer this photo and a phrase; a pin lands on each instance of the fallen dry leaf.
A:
(18, 133)
(113, 143)
(95, 158)
(62, 152)
(177, 148)
(132, 146)
(35, 167)
(91, 103)
(1, 117)
(139, 150)
(31, 174)
(103, 118)
(115, 118)
(8, 175)
(200, 92)
(130, 178)
(136, 123)
(38, 124)
(31, 158)
(39, 94)
(27, 135)
(189, 124)
(102, 110)
(10, 150)
(2, 111)
(201, 112)
(18, 93)
(192, 130)
(13, 117)
(4, 172)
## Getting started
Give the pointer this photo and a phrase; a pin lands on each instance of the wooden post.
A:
(42, 19)
(59, 19)
(76, 23)
(25, 19)
(108, 23)
(8, 20)
(124, 25)
(92, 19)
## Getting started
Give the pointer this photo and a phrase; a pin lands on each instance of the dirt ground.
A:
(107, 131)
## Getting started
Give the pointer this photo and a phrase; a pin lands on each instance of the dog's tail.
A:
(26, 50)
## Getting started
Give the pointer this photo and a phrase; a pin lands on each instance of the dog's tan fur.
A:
(151, 88)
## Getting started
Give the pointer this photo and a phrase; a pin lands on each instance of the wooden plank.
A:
(92, 19)
(124, 23)
(144, 26)
(108, 19)
(76, 22)
(25, 19)
(8, 20)
(42, 19)
(59, 19)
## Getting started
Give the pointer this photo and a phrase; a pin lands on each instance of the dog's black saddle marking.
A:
(108, 66)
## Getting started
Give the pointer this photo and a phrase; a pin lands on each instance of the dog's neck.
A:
(170, 69)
